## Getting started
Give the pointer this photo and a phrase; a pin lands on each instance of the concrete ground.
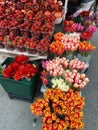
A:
(16, 115)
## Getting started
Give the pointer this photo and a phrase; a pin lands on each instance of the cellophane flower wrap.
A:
(20, 68)
(64, 74)
(59, 110)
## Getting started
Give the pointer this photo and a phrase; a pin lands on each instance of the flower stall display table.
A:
(27, 26)
(4, 53)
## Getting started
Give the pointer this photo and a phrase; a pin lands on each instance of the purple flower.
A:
(92, 29)
(44, 63)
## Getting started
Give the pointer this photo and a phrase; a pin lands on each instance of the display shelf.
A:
(15, 52)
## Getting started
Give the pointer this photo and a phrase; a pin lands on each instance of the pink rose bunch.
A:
(77, 64)
(71, 41)
(76, 79)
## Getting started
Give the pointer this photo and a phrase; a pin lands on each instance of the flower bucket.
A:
(85, 59)
(69, 55)
(21, 89)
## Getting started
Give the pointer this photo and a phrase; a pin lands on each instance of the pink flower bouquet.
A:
(64, 74)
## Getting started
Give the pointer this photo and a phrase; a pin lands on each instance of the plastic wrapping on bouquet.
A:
(4, 31)
(43, 88)
(60, 19)
(85, 59)
(15, 31)
(20, 48)
(25, 33)
(9, 46)
(31, 50)
(39, 35)
(69, 55)
(1, 45)
(42, 52)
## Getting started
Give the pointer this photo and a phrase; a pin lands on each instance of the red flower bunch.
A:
(21, 59)
(85, 13)
(68, 26)
(86, 35)
(20, 68)
(44, 76)
(59, 110)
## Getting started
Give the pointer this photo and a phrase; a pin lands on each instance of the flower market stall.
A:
(27, 35)
(70, 51)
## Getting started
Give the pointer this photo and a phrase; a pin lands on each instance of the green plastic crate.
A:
(23, 89)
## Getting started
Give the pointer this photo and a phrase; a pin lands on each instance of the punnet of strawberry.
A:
(20, 68)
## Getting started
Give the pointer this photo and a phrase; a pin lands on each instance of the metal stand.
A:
(65, 9)
(96, 4)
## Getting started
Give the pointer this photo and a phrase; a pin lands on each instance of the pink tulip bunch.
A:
(76, 79)
(70, 26)
(79, 27)
(77, 64)
(71, 41)
(57, 66)
(92, 29)
(63, 73)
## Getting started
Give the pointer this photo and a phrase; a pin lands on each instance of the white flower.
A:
(60, 83)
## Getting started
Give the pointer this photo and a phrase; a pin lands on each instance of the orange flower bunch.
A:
(57, 48)
(86, 47)
(69, 26)
(68, 23)
(59, 110)
(58, 36)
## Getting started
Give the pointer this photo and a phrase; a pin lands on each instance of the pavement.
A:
(16, 115)
(91, 91)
